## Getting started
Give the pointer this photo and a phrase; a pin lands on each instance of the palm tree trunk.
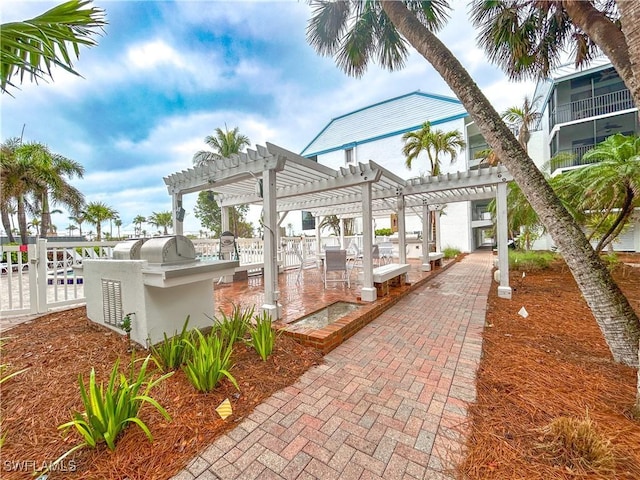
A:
(6, 224)
(22, 220)
(614, 43)
(617, 320)
(46, 215)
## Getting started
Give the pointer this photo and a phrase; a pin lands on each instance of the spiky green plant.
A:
(263, 337)
(173, 352)
(209, 362)
(234, 327)
(108, 410)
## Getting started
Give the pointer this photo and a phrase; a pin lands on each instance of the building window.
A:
(349, 157)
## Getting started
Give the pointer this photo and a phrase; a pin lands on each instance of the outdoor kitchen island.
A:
(156, 283)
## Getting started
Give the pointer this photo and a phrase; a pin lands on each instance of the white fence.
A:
(41, 277)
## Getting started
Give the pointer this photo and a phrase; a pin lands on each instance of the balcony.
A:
(573, 158)
(592, 107)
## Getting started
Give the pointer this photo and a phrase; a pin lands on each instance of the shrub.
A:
(234, 327)
(383, 232)
(263, 336)
(611, 260)
(450, 252)
(530, 260)
(172, 352)
(576, 444)
(209, 362)
(109, 410)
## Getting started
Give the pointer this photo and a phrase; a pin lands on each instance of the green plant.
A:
(530, 260)
(234, 327)
(611, 260)
(263, 336)
(450, 252)
(173, 352)
(383, 232)
(209, 362)
(109, 410)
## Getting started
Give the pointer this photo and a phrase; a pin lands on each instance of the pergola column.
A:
(178, 213)
(318, 237)
(402, 230)
(271, 292)
(224, 219)
(368, 292)
(437, 222)
(426, 235)
(504, 290)
(342, 232)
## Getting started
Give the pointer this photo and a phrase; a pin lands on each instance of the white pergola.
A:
(283, 181)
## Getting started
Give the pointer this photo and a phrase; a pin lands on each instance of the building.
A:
(580, 108)
(374, 132)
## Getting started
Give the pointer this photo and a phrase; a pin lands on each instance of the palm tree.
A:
(224, 144)
(529, 39)
(434, 143)
(138, 220)
(610, 187)
(79, 216)
(524, 118)
(32, 47)
(35, 223)
(98, 212)
(359, 32)
(51, 171)
(161, 219)
(118, 223)
(330, 222)
(71, 228)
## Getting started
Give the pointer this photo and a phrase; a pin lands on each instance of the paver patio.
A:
(388, 403)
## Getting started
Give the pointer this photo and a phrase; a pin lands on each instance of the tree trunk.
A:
(618, 322)
(6, 224)
(22, 220)
(46, 215)
(608, 37)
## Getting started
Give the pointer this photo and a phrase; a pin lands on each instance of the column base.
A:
(426, 267)
(504, 292)
(368, 294)
(273, 310)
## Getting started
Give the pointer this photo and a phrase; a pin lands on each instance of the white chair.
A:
(336, 261)
(375, 255)
(355, 254)
(386, 252)
(305, 261)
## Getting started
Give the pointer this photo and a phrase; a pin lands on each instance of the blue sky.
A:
(167, 73)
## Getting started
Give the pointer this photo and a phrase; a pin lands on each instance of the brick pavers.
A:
(388, 403)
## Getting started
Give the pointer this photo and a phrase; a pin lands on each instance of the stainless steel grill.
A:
(170, 250)
(128, 250)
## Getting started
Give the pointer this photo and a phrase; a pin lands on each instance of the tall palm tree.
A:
(359, 32)
(434, 143)
(118, 223)
(97, 213)
(51, 171)
(33, 46)
(79, 216)
(138, 220)
(610, 186)
(224, 143)
(161, 219)
(529, 39)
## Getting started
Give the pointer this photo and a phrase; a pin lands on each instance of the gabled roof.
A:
(385, 119)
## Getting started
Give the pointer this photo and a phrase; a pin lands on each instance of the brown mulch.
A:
(552, 364)
(59, 346)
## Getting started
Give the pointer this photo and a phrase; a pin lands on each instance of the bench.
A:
(390, 274)
(435, 258)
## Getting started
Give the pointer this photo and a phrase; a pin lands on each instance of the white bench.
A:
(391, 273)
(435, 258)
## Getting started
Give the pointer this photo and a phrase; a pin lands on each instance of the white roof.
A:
(302, 184)
(388, 118)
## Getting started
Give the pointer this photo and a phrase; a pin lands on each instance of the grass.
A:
(530, 260)
(576, 445)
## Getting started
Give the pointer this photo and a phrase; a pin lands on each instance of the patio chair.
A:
(305, 262)
(386, 252)
(336, 261)
(355, 254)
(375, 255)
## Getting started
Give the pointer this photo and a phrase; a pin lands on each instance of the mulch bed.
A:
(553, 363)
(59, 346)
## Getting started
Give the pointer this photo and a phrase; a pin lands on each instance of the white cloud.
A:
(152, 54)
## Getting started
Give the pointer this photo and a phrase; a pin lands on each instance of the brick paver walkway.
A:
(388, 403)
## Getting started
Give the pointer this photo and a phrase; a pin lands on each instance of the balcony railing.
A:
(592, 107)
(573, 159)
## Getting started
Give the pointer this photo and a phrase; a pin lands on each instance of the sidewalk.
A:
(388, 403)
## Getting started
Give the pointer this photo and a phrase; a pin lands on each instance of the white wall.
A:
(455, 227)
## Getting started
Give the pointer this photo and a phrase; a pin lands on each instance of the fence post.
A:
(32, 259)
(41, 280)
